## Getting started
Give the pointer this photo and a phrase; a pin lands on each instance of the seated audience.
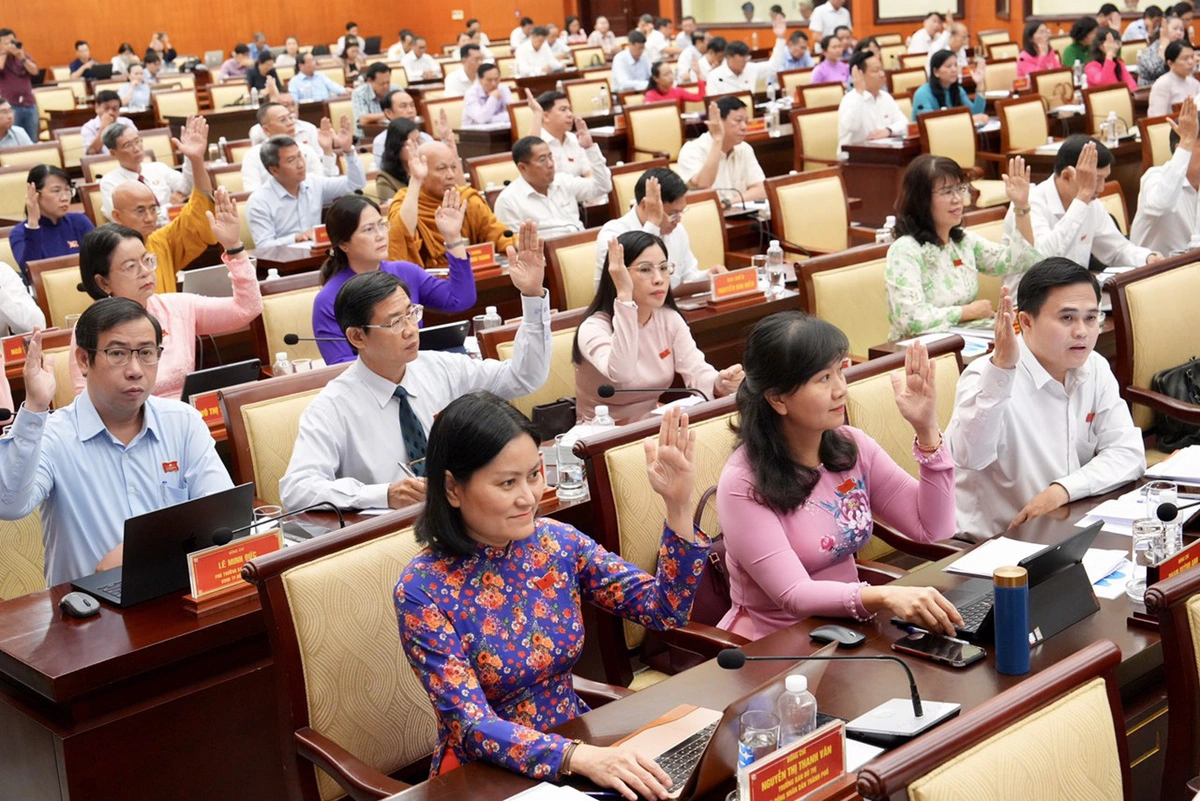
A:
(689, 60)
(722, 159)
(521, 33)
(306, 132)
(458, 82)
(662, 86)
(661, 199)
(371, 422)
(1167, 202)
(1177, 83)
(791, 53)
(575, 34)
(403, 137)
(124, 59)
(308, 85)
(1106, 66)
(922, 41)
(602, 36)
(419, 65)
(737, 74)
(714, 56)
(687, 27)
(50, 228)
(831, 69)
(367, 100)
(1109, 16)
(135, 94)
(153, 68)
(932, 267)
(656, 40)
(415, 235)
(161, 44)
(557, 41)
(868, 112)
(287, 208)
(351, 34)
(1145, 28)
(153, 453)
(828, 17)
(264, 68)
(797, 497)
(353, 61)
(1040, 422)
(81, 65)
(550, 197)
(108, 111)
(1069, 220)
(170, 186)
(258, 45)
(944, 91)
(291, 53)
(400, 49)
(11, 134)
(633, 335)
(397, 105)
(487, 100)
(553, 121)
(276, 121)
(1152, 61)
(534, 56)
(1036, 53)
(631, 66)
(1079, 51)
(358, 241)
(237, 65)
(114, 262)
(848, 42)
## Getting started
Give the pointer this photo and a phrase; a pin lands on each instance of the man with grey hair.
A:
(108, 111)
(287, 207)
(170, 187)
(276, 120)
(306, 132)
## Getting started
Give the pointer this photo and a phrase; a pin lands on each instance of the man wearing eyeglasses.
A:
(170, 187)
(114, 453)
(362, 440)
(1041, 421)
(546, 195)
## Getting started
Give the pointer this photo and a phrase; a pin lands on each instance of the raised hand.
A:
(1085, 173)
(418, 166)
(33, 211)
(193, 141)
(272, 87)
(1187, 126)
(621, 278)
(343, 140)
(527, 261)
(39, 376)
(226, 226)
(584, 135)
(441, 128)
(325, 136)
(534, 105)
(1005, 350)
(979, 75)
(449, 216)
(857, 79)
(669, 463)
(652, 205)
(1016, 182)
(716, 126)
(916, 393)
(779, 27)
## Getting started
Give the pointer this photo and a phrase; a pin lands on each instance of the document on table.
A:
(550, 792)
(998, 552)
(1183, 466)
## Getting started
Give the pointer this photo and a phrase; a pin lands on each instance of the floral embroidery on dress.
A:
(852, 514)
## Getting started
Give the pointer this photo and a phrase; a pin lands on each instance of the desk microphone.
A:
(5, 415)
(608, 390)
(224, 535)
(293, 339)
(784, 243)
(1166, 512)
(727, 203)
(890, 722)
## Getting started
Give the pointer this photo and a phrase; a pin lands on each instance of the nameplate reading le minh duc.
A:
(733, 285)
(798, 770)
(1172, 566)
(209, 408)
(217, 570)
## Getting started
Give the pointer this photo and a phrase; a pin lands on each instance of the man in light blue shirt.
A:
(631, 67)
(11, 135)
(309, 85)
(116, 452)
(287, 208)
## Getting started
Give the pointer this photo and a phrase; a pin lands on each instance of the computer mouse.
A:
(79, 604)
(844, 637)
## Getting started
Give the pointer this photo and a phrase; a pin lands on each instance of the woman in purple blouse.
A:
(490, 612)
(796, 498)
(831, 68)
(358, 243)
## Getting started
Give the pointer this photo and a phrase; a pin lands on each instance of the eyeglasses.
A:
(411, 317)
(119, 357)
(56, 190)
(1090, 319)
(677, 216)
(147, 263)
(962, 190)
(376, 228)
(648, 270)
(131, 144)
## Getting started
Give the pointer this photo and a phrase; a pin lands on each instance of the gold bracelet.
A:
(565, 767)
(1022, 212)
(925, 450)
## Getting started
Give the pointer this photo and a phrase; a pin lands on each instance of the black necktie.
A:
(415, 441)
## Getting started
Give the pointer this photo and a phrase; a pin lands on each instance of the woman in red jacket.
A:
(662, 86)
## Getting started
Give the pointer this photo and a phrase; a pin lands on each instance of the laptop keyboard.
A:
(113, 589)
(973, 614)
(680, 760)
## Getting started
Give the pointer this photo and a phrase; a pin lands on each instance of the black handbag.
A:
(1181, 383)
(554, 418)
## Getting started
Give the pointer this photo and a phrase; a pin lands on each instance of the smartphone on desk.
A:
(944, 650)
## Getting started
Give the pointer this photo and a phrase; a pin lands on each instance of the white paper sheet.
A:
(998, 552)
(1101, 562)
(1182, 466)
(859, 754)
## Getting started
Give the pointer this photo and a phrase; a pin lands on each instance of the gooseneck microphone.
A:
(1166, 512)
(608, 390)
(224, 535)
(5, 415)
(294, 339)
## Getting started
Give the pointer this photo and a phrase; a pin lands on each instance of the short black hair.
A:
(1109, 8)
(264, 57)
(105, 315)
(1050, 274)
(662, 22)
(1072, 147)
(241, 49)
(151, 58)
(467, 50)
(1183, 8)
(472, 21)
(860, 58)
(485, 68)
(646, 18)
(522, 151)
(79, 42)
(376, 68)
(355, 303)
(39, 173)
(548, 98)
(1152, 12)
(465, 437)
(540, 30)
(698, 36)
(717, 44)
(797, 36)
(636, 38)
(350, 25)
(747, 6)
(729, 104)
(1174, 49)
(737, 48)
(107, 96)
(670, 185)
(526, 21)
(95, 253)
(269, 152)
(845, 28)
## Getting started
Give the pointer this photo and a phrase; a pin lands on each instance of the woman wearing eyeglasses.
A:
(633, 336)
(358, 243)
(50, 228)
(113, 262)
(932, 267)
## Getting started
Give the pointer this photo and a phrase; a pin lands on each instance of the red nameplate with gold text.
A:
(14, 349)
(800, 769)
(219, 568)
(482, 255)
(1181, 562)
(173, 212)
(757, 125)
(320, 236)
(209, 408)
(734, 284)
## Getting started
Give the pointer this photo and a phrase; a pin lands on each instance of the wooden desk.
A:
(486, 140)
(774, 153)
(287, 259)
(874, 172)
(235, 122)
(1106, 344)
(77, 117)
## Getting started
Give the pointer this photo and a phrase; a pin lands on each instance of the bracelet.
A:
(456, 243)
(923, 449)
(236, 251)
(1021, 212)
(565, 768)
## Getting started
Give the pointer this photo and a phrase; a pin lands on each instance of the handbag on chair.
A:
(1181, 383)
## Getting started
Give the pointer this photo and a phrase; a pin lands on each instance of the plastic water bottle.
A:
(1077, 74)
(797, 710)
(558, 86)
(771, 91)
(776, 268)
(491, 318)
(282, 366)
(1109, 129)
(602, 418)
(221, 150)
(272, 273)
(254, 97)
(754, 40)
(886, 235)
(773, 120)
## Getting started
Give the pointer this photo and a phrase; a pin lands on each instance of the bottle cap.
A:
(796, 683)
(774, 243)
(490, 310)
(601, 410)
(281, 356)
(1010, 577)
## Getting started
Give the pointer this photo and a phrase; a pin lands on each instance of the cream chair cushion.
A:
(22, 556)
(72, 148)
(227, 94)
(819, 136)
(344, 107)
(991, 193)
(1025, 124)
(45, 153)
(704, 223)
(992, 231)
(1193, 610)
(63, 296)
(1116, 99)
(795, 79)
(64, 390)
(655, 128)
(176, 104)
(337, 74)
(1158, 139)
(290, 313)
(814, 214)
(822, 96)
(1160, 307)
(271, 430)
(586, 97)
(453, 106)
(243, 209)
(237, 152)
(97, 199)
(623, 188)
(1057, 90)
(560, 384)
(640, 510)
(362, 693)
(232, 181)
(523, 119)
(12, 193)
(578, 263)
(1114, 203)
(1004, 51)
(854, 298)
(496, 173)
(1001, 74)
(952, 136)
(6, 254)
(904, 81)
(1077, 729)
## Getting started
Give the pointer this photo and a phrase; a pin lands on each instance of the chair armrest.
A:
(656, 154)
(998, 158)
(925, 550)
(861, 232)
(597, 693)
(876, 573)
(819, 160)
(1164, 403)
(360, 781)
(702, 639)
(974, 172)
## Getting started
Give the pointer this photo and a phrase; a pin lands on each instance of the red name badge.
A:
(800, 769)
(756, 125)
(173, 212)
(219, 568)
(1185, 560)
(14, 349)
(482, 255)
(734, 284)
(320, 235)
(170, 467)
(209, 408)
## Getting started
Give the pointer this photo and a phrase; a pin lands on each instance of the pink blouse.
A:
(618, 351)
(676, 93)
(1027, 63)
(183, 316)
(1103, 74)
(784, 568)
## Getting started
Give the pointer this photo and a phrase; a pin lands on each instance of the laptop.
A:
(445, 337)
(157, 545)
(213, 282)
(102, 72)
(199, 382)
(1060, 593)
(371, 45)
(214, 58)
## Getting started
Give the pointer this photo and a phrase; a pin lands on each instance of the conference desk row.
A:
(149, 701)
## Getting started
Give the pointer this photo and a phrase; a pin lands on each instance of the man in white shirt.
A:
(108, 111)
(521, 33)
(276, 121)
(737, 74)
(954, 37)
(827, 17)
(722, 159)
(1167, 202)
(419, 65)
(661, 199)
(398, 103)
(475, 30)
(534, 58)
(306, 132)
(683, 39)
(1041, 421)
(713, 57)
(922, 40)
(458, 82)
(1068, 218)
(547, 196)
(169, 186)
(631, 67)
(657, 43)
(868, 112)
(553, 121)
(362, 440)
(691, 56)
(397, 51)
(556, 40)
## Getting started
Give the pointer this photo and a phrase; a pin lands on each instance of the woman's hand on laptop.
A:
(921, 606)
(622, 769)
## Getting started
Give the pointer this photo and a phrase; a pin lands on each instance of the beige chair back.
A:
(1059, 44)
(521, 119)
(1102, 100)
(589, 96)
(815, 132)
(1114, 202)
(1003, 50)
(561, 383)
(507, 66)
(290, 313)
(950, 133)
(344, 107)
(654, 128)
(272, 427)
(231, 93)
(399, 75)
(243, 209)
(335, 73)
(1160, 307)
(577, 263)
(176, 103)
(12, 192)
(70, 141)
(904, 103)
(1001, 74)
(822, 95)
(585, 57)
(31, 155)
(1156, 141)
(810, 210)
(790, 80)
(884, 39)
(494, 171)
(902, 82)
(1056, 87)
(704, 222)
(22, 556)
(1131, 50)
(63, 297)
(1023, 122)
(453, 106)
(158, 142)
(910, 61)
(890, 55)
(854, 298)
(235, 151)
(60, 362)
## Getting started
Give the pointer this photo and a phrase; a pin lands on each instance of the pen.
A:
(918, 630)
(602, 793)
(407, 470)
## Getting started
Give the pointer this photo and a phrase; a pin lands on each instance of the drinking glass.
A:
(262, 518)
(301, 365)
(71, 320)
(1160, 492)
(570, 469)
(760, 268)
(1146, 548)
(759, 736)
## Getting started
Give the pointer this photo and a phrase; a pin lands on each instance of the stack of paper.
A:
(998, 552)
(1108, 570)
(551, 792)
(1118, 514)
(1183, 466)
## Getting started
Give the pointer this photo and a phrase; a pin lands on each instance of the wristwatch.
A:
(456, 243)
(1021, 212)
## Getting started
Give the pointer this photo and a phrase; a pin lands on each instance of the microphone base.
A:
(892, 723)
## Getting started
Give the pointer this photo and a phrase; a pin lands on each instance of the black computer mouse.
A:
(844, 637)
(79, 604)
